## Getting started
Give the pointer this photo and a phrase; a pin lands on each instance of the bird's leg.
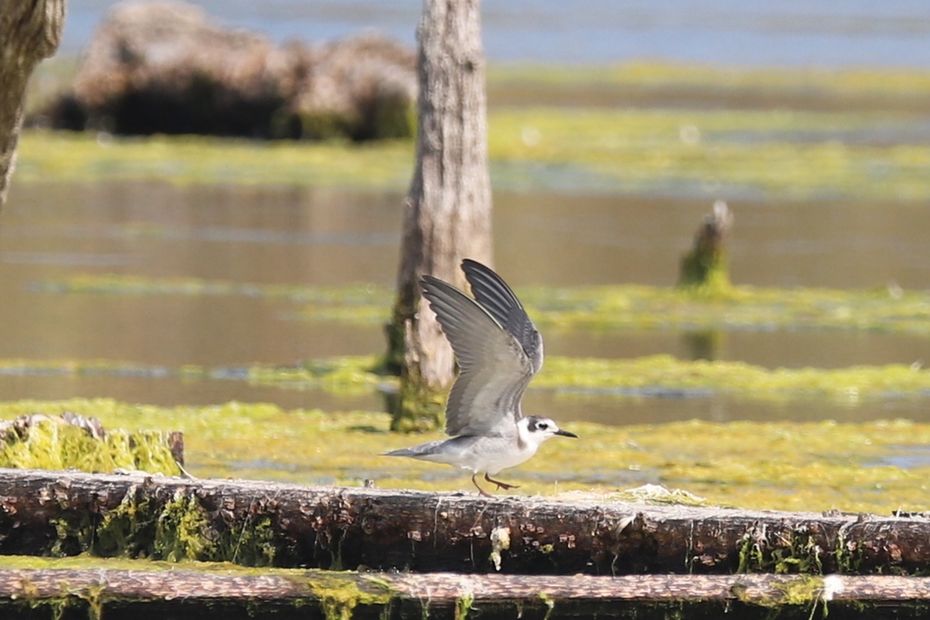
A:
(501, 485)
(480, 490)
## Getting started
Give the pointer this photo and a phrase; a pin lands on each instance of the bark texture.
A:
(141, 593)
(448, 210)
(30, 30)
(63, 513)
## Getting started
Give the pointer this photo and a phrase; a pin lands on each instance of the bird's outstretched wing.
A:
(498, 298)
(494, 369)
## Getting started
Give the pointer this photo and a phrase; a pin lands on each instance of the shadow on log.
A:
(211, 592)
(261, 523)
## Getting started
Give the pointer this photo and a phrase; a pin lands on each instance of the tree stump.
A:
(448, 209)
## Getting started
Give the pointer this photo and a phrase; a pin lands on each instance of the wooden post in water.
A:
(705, 267)
(30, 30)
(448, 209)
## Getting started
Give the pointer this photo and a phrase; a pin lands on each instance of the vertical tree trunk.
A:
(29, 31)
(448, 210)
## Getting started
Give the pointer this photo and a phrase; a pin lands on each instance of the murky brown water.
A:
(330, 237)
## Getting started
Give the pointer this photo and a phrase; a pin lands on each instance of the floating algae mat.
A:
(657, 375)
(663, 150)
(794, 466)
(620, 307)
(899, 88)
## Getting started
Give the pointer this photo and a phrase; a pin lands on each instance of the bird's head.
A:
(537, 430)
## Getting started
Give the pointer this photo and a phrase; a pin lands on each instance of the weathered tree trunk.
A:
(29, 31)
(448, 211)
(63, 513)
(135, 593)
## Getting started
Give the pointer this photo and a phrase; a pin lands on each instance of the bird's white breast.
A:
(493, 461)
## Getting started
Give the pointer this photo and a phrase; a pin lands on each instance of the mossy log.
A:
(262, 523)
(137, 594)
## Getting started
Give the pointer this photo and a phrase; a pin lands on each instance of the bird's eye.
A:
(542, 426)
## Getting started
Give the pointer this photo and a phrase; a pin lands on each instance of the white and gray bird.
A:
(498, 350)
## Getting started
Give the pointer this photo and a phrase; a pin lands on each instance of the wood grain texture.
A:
(210, 591)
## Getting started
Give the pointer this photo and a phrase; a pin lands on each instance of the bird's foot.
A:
(480, 490)
(505, 486)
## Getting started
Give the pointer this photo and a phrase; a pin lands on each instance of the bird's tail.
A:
(400, 452)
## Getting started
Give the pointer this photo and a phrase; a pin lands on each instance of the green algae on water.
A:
(602, 308)
(567, 376)
(807, 87)
(777, 465)
(641, 151)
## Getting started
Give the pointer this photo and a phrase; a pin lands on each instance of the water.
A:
(829, 33)
(569, 237)
(334, 237)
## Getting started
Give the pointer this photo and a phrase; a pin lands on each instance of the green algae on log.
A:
(48, 512)
(72, 441)
(121, 593)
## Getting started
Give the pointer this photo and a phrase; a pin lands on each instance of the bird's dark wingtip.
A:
(470, 264)
(427, 280)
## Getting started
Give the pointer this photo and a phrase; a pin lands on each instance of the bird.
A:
(498, 351)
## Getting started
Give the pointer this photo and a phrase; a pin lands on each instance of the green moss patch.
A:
(50, 444)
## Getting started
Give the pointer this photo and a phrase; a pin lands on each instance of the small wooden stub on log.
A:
(211, 592)
(262, 523)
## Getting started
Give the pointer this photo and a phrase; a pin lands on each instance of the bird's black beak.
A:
(565, 434)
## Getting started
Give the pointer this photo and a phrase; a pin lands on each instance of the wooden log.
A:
(137, 594)
(262, 523)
